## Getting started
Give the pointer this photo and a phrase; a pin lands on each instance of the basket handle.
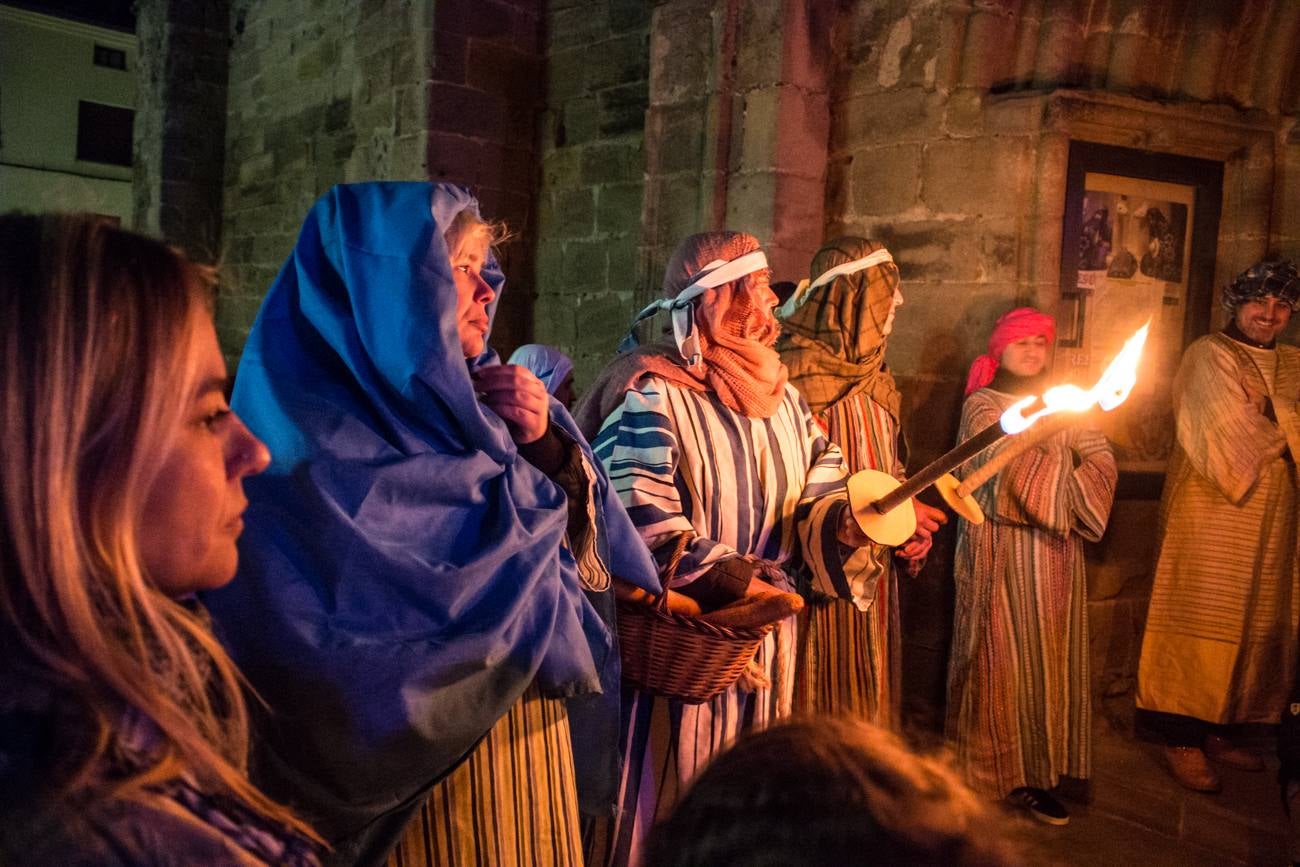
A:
(670, 570)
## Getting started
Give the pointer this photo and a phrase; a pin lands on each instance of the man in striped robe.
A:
(833, 343)
(1018, 703)
(703, 435)
(1220, 642)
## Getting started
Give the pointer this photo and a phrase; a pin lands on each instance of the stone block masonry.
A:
(483, 101)
(591, 191)
(332, 91)
(320, 92)
(179, 129)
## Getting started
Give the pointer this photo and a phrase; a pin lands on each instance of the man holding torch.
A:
(835, 328)
(1220, 642)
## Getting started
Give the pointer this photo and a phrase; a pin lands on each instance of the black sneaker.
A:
(1040, 805)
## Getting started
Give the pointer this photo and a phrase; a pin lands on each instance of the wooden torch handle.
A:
(1014, 448)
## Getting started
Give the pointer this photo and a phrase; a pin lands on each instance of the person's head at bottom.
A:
(826, 791)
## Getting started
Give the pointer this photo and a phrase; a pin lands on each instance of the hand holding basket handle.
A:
(694, 656)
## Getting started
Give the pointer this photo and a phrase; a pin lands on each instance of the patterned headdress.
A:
(832, 337)
(1278, 278)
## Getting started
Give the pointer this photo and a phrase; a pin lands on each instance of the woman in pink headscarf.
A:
(1018, 712)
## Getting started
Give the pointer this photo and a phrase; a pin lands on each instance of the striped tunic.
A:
(849, 649)
(513, 801)
(684, 462)
(1018, 700)
(1220, 641)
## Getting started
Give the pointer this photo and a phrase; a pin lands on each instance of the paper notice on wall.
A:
(1133, 261)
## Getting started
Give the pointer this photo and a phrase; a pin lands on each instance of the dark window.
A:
(113, 58)
(104, 133)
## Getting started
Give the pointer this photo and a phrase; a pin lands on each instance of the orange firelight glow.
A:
(1110, 391)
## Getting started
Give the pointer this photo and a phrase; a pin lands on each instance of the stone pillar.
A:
(320, 93)
(736, 134)
(484, 96)
(1285, 235)
(180, 122)
(777, 177)
(588, 244)
(680, 129)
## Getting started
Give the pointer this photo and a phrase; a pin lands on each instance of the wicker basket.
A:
(680, 656)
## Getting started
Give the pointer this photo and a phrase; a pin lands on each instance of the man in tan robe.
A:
(1220, 643)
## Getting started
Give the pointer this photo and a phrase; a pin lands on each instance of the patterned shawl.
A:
(831, 338)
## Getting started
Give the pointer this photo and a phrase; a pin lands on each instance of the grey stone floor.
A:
(1139, 816)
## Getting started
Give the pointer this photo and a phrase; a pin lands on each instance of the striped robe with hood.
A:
(1018, 694)
(833, 343)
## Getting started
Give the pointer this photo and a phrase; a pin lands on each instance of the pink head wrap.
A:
(1011, 326)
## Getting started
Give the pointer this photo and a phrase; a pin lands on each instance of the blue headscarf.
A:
(402, 579)
(549, 364)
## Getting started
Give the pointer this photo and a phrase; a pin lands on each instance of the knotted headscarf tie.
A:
(722, 342)
(683, 305)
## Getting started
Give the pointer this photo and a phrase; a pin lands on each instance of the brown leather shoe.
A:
(1191, 769)
(1225, 752)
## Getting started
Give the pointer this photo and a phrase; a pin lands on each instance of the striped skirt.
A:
(513, 801)
(849, 659)
(666, 743)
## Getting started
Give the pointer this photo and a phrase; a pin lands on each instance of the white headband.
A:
(805, 288)
(717, 273)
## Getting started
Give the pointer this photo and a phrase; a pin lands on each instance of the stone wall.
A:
(180, 123)
(483, 101)
(320, 93)
(591, 186)
(331, 91)
(665, 119)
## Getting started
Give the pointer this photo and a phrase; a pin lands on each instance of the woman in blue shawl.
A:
(412, 581)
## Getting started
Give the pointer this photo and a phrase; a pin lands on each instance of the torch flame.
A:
(1109, 392)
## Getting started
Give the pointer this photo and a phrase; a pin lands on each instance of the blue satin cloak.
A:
(402, 579)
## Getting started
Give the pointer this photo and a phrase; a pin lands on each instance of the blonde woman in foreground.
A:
(123, 733)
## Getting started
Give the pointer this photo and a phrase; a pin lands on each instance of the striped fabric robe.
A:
(1220, 642)
(512, 803)
(849, 650)
(1018, 701)
(682, 461)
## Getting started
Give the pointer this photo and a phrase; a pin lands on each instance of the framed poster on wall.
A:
(1139, 238)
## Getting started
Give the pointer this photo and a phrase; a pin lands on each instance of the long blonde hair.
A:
(97, 362)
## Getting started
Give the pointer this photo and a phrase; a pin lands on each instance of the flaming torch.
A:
(882, 505)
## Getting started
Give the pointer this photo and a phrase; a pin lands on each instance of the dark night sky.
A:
(117, 14)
